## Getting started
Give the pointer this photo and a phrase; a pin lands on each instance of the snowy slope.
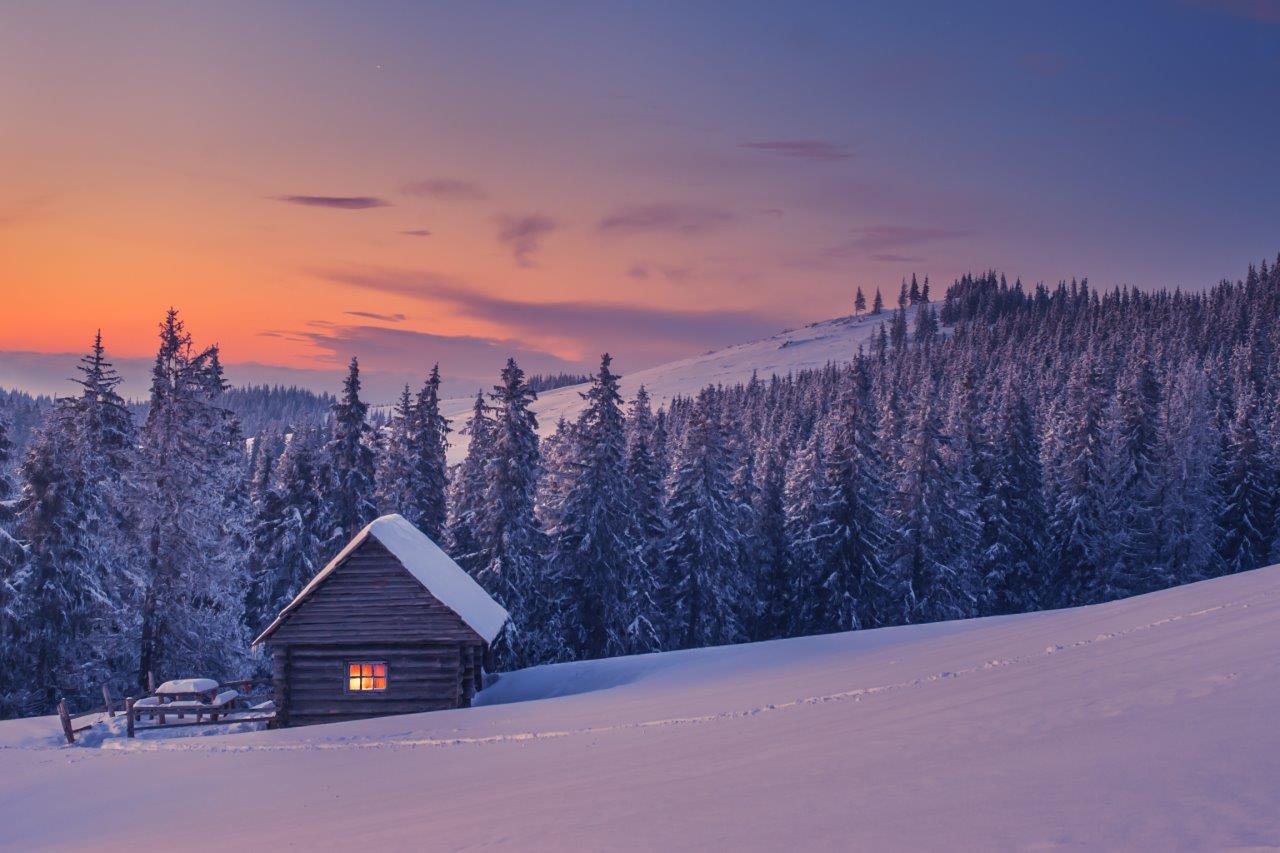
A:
(830, 341)
(1141, 724)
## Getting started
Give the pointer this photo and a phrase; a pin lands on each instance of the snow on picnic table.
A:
(1140, 724)
(180, 686)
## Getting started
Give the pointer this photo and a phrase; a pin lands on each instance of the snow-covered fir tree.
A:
(645, 469)
(192, 613)
(467, 491)
(513, 545)
(351, 494)
(396, 465)
(287, 530)
(705, 581)
(427, 507)
(595, 545)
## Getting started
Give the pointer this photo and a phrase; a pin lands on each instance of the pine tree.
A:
(192, 606)
(1079, 476)
(351, 463)
(1011, 511)
(1134, 547)
(858, 590)
(286, 531)
(1189, 503)
(926, 523)
(468, 489)
(702, 551)
(396, 465)
(644, 476)
(773, 583)
(512, 542)
(808, 532)
(431, 469)
(595, 544)
(1247, 513)
(877, 306)
(859, 302)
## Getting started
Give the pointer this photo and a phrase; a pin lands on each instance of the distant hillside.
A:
(813, 346)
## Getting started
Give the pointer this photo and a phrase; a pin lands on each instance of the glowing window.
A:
(366, 675)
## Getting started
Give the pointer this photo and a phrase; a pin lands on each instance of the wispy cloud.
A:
(691, 220)
(524, 234)
(374, 315)
(446, 189)
(337, 202)
(1264, 11)
(416, 232)
(642, 272)
(641, 331)
(881, 238)
(802, 149)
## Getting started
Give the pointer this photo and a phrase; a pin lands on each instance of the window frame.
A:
(361, 691)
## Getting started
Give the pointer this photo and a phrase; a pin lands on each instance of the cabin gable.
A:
(370, 597)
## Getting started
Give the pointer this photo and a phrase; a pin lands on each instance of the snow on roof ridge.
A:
(429, 565)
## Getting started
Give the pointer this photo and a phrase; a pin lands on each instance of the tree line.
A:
(1005, 451)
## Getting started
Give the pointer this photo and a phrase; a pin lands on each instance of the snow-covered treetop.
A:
(429, 565)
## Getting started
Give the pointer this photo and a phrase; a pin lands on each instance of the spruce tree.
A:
(193, 599)
(702, 548)
(396, 465)
(351, 492)
(1011, 511)
(286, 531)
(468, 489)
(431, 469)
(595, 543)
(512, 542)
(644, 477)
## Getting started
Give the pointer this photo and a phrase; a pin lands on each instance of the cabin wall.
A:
(421, 677)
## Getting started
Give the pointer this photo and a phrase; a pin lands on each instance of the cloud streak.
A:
(374, 315)
(641, 331)
(523, 235)
(416, 232)
(882, 242)
(445, 189)
(802, 149)
(689, 220)
(336, 202)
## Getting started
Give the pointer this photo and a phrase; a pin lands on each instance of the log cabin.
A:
(391, 625)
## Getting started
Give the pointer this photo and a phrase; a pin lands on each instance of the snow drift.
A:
(1144, 723)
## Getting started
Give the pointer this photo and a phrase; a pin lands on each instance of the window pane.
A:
(354, 669)
(379, 684)
(380, 669)
(366, 683)
(353, 683)
(366, 669)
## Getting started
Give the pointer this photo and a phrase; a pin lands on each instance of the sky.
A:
(415, 183)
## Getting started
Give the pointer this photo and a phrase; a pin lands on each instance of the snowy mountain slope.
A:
(813, 346)
(1147, 723)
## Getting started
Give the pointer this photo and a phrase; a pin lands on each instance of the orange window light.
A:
(369, 675)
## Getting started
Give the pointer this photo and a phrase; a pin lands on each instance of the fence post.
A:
(128, 716)
(65, 717)
(106, 698)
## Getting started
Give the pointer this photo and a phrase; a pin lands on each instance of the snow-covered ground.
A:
(813, 346)
(1141, 724)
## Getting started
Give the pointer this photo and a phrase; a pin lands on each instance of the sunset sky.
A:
(414, 182)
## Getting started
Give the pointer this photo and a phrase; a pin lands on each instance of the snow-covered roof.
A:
(430, 566)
